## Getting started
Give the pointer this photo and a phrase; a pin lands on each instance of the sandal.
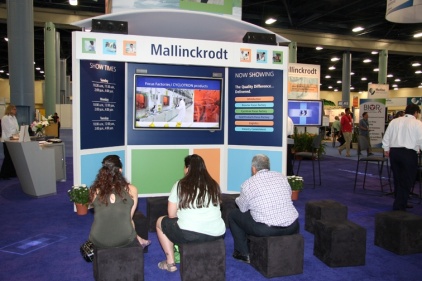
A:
(170, 267)
(146, 243)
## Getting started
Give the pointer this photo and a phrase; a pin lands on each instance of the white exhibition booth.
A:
(179, 83)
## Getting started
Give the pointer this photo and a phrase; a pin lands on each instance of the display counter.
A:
(35, 167)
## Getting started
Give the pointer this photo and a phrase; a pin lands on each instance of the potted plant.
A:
(303, 143)
(296, 184)
(79, 194)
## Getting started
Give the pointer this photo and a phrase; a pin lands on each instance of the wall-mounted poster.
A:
(255, 102)
(102, 104)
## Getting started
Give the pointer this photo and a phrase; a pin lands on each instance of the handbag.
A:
(87, 251)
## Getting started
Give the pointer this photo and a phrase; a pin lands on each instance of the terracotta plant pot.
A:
(81, 209)
(295, 194)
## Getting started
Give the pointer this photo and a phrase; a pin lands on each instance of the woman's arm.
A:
(172, 210)
(134, 194)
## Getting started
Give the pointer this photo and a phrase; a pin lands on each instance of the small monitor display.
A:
(170, 102)
(306, 112)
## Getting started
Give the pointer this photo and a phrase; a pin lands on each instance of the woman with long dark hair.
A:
(114, 201)
(193, 211)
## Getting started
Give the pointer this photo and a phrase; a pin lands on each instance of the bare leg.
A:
(166, 244)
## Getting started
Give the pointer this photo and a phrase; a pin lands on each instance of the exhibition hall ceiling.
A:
(328, 17)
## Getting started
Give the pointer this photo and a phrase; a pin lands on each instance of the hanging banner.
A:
(303, 81)
(376, 120)
(378, 91)
(404, 11)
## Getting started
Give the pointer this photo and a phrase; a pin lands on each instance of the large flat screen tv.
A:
(306, 112)
(172, 102)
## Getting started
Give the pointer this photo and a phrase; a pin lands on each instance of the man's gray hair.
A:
(261, 162)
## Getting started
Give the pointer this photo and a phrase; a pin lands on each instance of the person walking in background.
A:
(114, 201)
(290, 144)
(364, 131)
(193, 211)
(401, 142)
(56, 120)
(346, 124)
(9, 127)
(335, 127)
(265, 208)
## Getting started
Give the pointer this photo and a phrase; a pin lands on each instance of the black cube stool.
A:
(156, 207)
(141, 226)
(399, 232)
(119, 264)
(277, 255)
(323, 210)
(227, 206)
(203, 261)
(340, 243)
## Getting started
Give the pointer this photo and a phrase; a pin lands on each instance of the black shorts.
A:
(180, 236)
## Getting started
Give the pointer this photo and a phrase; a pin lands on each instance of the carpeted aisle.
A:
(57, 232)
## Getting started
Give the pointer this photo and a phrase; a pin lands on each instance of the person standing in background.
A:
(56, 120)
(364, 131)
(290, 144)
(346, 124)
(9, 127)
(402, 142)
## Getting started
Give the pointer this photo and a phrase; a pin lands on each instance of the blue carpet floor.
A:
(40, 238)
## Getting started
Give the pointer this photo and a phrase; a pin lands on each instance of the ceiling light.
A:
(318, 48)
(37, 68)
(395, 89)
(41, 71)
(352, 73)
(363, 79)
(420, 86)
(331, 68)
(394, 85)
(357, 29)
(73, 2)
(390, 75)
(417, 35)
(335, 59)
(416, 64)
(418, 71)
(397, 80)
(6, 39)
(376, 69)
(352, 88)
(327, 76)
(1, 71)
(330, 87)
(335, 90)
(367, 60)
(338, 81)
(374, 52)
(270, 21)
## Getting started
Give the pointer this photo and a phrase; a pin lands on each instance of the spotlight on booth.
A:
(110, 26)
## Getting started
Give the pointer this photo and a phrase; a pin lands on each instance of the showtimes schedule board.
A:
(102, 104)
(255, 107)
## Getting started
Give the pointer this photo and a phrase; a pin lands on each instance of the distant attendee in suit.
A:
(9, 127)
(56, 119)
(402, 142)
(364, 131)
